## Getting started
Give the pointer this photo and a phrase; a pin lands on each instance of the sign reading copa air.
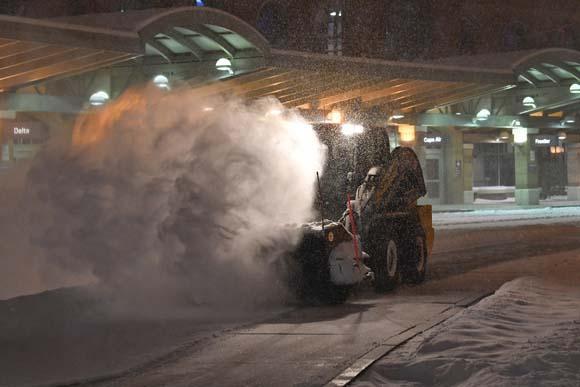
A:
(432, 139)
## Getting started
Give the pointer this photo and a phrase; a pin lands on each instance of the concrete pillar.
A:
(5, 134)
(573, 167)
(468, 196)
(454, 168)
(526, 168)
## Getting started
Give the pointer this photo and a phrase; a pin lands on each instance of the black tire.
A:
(417, 261)
(334, 294)
(387, 267)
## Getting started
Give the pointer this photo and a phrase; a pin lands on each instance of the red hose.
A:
(354, 233)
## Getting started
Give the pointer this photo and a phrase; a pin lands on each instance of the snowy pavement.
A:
(505, 217)
(65, 335)
(527, 333)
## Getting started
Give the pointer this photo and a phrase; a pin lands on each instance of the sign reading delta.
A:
(24, 130)
(21, 130)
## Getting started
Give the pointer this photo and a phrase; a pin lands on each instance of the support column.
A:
(573, 167)
(468, 196)
(454, 168)
(526, 168)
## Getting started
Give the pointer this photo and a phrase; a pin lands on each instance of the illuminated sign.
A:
(21, 130)
(432, 140)
(545, 141)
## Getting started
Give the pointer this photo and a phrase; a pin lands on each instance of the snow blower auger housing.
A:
(383, 236)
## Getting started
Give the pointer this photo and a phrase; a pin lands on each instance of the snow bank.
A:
(527, 333)
(532, 215)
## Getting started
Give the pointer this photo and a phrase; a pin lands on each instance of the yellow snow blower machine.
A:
(379, 232)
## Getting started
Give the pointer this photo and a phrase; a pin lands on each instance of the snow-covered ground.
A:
(498, 217)
(527, 333)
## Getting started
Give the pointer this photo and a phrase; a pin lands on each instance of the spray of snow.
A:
(172, 195)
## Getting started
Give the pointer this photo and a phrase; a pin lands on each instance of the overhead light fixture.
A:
(520, 134)
(224, 64)
(333, 13)
(561, 135)
(529, 102)
(349, 129)
(274, 112)
(161, 81)
(504, 135)
(335, 116)
(397, 115)
(99, 98)
(483, 115)
(575, 88)
(570, 119)
(406, 133)
(457, 113)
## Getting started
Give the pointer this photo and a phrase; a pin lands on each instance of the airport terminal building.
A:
(490, 127)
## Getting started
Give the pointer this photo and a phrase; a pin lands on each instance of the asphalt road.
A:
(311, 345)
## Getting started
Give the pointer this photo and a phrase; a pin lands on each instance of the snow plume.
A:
(176, 195)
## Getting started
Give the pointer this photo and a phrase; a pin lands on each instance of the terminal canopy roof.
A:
(33, 50)
(36, 50)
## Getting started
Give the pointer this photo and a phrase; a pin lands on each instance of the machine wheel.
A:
(417, 261)
(334, 294)
(387, 268)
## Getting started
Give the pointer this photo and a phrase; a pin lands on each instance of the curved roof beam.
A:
(568, 68)
(185, 42)
(546, 55)
(161, 49)
(535, 60)
(528, 78)
(228, 48)
(548, 73)
(194, 16)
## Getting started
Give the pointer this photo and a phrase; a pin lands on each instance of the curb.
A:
(394, 342)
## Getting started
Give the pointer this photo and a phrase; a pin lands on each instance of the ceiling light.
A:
(274, 112)
(161, 81)
(504, 135)
(224, 64)
(575, 88)
(406, 133)
(561, 135)
(483, 115)
(335, 116)
(351, 129)
(99, 98)
(397, 115)
(529, 102)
